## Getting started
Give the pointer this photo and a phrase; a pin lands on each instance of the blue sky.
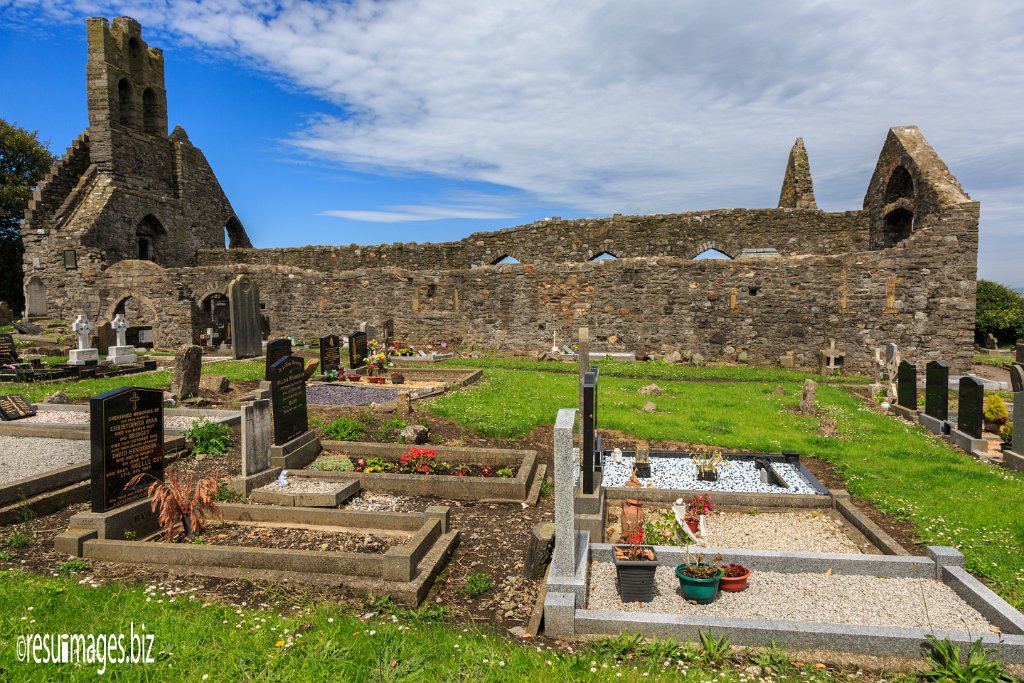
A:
(410, 120)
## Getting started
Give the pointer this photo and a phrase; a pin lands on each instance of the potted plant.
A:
(996, 414)
(375, 380)
(698, 506)
(708, 462)
(354, 377)
(187, 502)
(397, 378)
(635, 565)
(734, 578)
(699, 580)
(330, 375)
(1006, 432)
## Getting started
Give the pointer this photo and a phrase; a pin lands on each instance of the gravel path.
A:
(864, 600)
(680, 473)
(341, 395)
(81, 417)
(22, 457)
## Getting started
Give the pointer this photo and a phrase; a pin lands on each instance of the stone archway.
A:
(35, 298)
(140, 311)
(213, 311)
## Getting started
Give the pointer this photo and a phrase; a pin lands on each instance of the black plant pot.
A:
(707, 475)
(636, 577)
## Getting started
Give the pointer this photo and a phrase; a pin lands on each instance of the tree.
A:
(1000, 311)
(23, 163)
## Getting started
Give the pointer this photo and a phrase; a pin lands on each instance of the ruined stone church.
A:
(133, 219)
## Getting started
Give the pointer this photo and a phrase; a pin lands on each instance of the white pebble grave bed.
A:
(819, 598)
(22, 457)
(679, 472)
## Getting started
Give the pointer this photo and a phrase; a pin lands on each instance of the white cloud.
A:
(633, 107)
(416, 212)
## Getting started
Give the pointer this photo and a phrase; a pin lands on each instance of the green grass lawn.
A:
(197, 641)
(995, 360)
(950, 497)
(246, 370)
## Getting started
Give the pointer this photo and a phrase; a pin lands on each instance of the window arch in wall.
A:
(712, 255)
(149, 236)
(605, 256)
(150, 111)
(124, 101)
(504, 260)
(898, 223)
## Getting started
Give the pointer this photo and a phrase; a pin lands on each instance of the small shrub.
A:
(486, 471)
(371, 465)
(343, 429)
(418, 461)
(5, 556)
(332, 463)
(198, 540)
(1006, 431)
(226, 494)
(547, 487)
(210, 438)
(20, 539)
(505, 473)
(715, 650)
(461, 470)
(995, 410)
(944, 658)
(772, 657)
(477, 583)
(71, 566)
(130, 535)
(389, 429)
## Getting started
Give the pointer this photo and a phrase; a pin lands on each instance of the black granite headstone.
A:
(27, 328)
(15, 407)
(589, 427)
(1017, 377)
(358, 350)
(389, 331)
(936, 390)
(330, 353)
(127, 432)
(276, 350)
(1020, 352)
(972, 406)
(8, 352)
(288, 399)
(906, 385)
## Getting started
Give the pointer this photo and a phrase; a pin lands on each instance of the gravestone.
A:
(288, 399)
(906, 385)
(389, 331)
(84, 354)
(121, 352)
(936, 392)
(8, 351)
(330, 353)
(188, 367)
(1017, 378)
(27, 328)
(358, 350)
(246, 331)
(583, 359)
(589, 420)
(1020, 352)
(15, 407)
(808, 405)
(255, 437)
(139, 336)
(563, 561)
(6, 314)
(892, 364)
(276, 350)
(127, 433)
(972, 407)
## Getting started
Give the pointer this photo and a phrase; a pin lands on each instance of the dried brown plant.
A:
(189, 502)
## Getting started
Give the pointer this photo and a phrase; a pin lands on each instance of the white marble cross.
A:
(120, 325)
(83, 328)
(554, 342)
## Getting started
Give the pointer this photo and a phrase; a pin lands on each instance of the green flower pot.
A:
(701, 591)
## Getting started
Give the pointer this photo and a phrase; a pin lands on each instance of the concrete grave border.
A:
(524, 487)
(406, 571)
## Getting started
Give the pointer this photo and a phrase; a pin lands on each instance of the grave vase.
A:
(701, 591)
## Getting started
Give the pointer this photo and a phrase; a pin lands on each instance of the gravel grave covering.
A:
(680, 473)
(22, 457)
(303, 485)
(818, 598)
(283, 537)
(81, 417)
(342, 395)
(366, 501)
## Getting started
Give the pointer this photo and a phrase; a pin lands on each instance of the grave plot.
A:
(65, 419)
(819, 597)
(448, 472)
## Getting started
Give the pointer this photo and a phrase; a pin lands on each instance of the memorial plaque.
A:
(127, 433)
(358, 350)
(8, 352)
(330, 353)
(972, 406)
(906, 385)
(246, 330)
(276, 350)
(288, 399)
(15, 407)
(936, 390)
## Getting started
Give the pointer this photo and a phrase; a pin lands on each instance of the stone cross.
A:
(120, 325)
(892, 366)
(83, 328)
(831, 355)
(554, 342)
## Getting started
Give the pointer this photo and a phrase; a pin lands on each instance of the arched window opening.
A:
(506, 259)
(148, 236)
(605, 256)
(124, 101)
(235, 236)
(145, 249)
(712, 254)
(900, 185)
(150, 111)
(899, 223)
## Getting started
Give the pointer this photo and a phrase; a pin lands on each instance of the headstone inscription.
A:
(15, 407)
(8, 352)
(330, 353)
(276, 350)
(906, 385)
(246, 331)
(936, 392)
(288, 399)
(358, 350)
(971, 410)
(127, 433)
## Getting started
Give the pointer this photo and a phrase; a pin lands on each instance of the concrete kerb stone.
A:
(906, 413)
(874, 533)
(968, 443)
(297, 453)
(244, 486)
(1013, 461)
(563, 562)
(944, 556)
(933, 424)
(559, 614)
(47, 502)
(282, 497)
(400, 562)
(724, 498)
(999, 613)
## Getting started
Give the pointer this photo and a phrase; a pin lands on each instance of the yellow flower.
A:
(279, 643)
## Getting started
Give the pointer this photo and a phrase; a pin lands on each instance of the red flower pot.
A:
(354, 378)
(694, 524)
(734, 584)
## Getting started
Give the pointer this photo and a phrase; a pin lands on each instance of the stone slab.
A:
(968, 443)
(934, 425)
(1013, 460)
(83, 356)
